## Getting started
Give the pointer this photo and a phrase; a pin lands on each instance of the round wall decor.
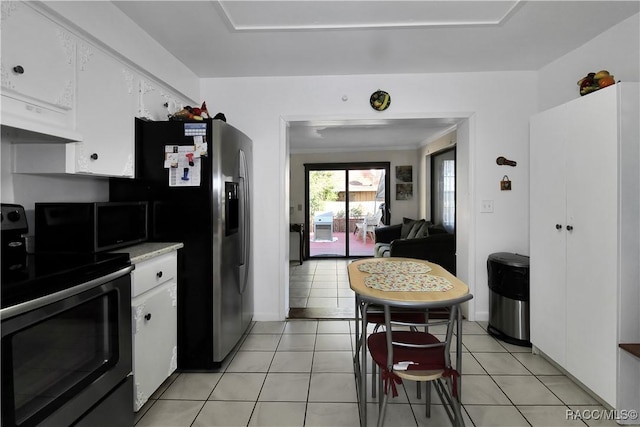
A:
(380, 100)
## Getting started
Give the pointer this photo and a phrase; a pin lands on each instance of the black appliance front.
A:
(90, 226)
(178, 214)
(14, 226)
(64, 348)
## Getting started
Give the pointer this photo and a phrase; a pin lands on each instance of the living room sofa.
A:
(417, 239)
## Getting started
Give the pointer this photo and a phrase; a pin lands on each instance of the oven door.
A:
(61, 354)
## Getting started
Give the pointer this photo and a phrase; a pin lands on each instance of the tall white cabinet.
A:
(585, 239)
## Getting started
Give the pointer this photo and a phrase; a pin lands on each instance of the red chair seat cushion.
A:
(423, 358)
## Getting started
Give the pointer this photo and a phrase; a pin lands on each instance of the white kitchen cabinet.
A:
(154, 313)
(585, 238)
(106, 100)
(38, 72)
(73, 88)
(106, 107)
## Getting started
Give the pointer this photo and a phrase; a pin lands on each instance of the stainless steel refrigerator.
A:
(196, 177)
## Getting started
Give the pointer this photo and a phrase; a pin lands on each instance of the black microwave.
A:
(89, 227)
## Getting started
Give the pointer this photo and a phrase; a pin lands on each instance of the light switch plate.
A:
(486, 206)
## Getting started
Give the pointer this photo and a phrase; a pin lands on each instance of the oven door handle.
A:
(15, 310)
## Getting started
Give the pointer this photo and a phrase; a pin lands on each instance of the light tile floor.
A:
(300, 373)
(320, 284)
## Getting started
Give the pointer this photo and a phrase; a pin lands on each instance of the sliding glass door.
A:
(344, 204)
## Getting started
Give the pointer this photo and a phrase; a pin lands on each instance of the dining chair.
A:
(404, 352)
(375, 317)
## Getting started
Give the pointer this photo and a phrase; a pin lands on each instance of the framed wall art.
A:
(404, 182)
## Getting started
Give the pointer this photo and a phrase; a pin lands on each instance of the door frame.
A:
(432, 183)
(308, 167)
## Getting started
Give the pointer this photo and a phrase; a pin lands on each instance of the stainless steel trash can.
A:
(508, 276)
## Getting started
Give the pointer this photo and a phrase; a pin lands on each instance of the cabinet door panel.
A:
(154, 340)
(592, 200)
(106, 103)
(547, 233)
(37, 70)
(46, 55)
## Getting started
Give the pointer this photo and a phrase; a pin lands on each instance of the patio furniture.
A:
(323, 226)
(368, 226)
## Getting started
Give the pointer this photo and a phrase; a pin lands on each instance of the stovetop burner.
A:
(47, 273)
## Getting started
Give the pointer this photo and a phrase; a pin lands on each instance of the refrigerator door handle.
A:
(243, 174)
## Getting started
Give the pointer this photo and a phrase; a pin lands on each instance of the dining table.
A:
(399, 283)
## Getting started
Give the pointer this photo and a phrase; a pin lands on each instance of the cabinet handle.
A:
(159, 274)
(18, 69)
(147, 317)
(94, 156)
(569, 227)
(558, 227)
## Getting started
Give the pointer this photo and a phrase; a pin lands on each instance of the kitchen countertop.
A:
(148, 250)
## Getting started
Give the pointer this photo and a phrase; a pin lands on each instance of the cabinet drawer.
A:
(154, 272)
(154, 340)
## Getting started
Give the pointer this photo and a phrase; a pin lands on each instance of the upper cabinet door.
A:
(38, 67)
(106, 109)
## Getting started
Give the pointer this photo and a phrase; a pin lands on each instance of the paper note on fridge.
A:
(183, 162)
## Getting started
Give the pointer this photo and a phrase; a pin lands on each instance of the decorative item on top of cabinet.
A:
(37, 72)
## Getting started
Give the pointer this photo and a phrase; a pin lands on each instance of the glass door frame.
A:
(433, 183)
(310, 167)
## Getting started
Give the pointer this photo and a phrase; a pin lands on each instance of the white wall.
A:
(616, 50)
(498, 106)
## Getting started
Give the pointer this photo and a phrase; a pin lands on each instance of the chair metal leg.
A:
(374, 383)
(383, 393)
(427, 398)
(382, 403)
(451, 404)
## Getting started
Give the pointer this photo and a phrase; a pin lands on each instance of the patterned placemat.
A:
(405, 267)
(407, 282)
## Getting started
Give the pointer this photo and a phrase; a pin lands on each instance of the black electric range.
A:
(26, 276)
(46, 273)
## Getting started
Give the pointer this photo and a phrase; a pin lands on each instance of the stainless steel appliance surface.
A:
(66, 339)
(196, 178)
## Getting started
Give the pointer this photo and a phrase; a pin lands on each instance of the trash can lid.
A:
(507, 258)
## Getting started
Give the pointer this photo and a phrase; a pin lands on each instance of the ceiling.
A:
(349, 37)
